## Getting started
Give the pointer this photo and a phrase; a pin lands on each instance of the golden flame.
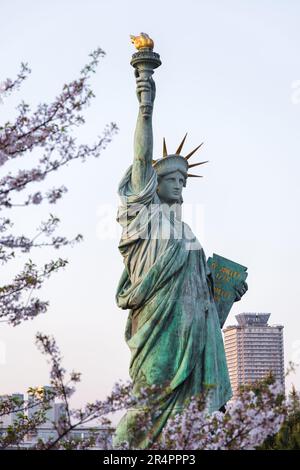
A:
(142, 41)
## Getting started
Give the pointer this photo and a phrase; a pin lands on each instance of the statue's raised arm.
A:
(144, 61)
(143, 138)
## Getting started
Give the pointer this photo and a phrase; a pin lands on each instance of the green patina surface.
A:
(173, 328)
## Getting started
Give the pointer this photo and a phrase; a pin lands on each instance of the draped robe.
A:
(173, 328)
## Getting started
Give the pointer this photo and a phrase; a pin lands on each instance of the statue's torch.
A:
(145, 61)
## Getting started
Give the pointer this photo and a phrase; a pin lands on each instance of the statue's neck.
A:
(174, 209)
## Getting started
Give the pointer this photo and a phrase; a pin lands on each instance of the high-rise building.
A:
(34, 406)
(10, 418)
(253, 348)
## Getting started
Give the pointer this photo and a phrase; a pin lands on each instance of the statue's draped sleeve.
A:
(132, 211)
(142, 240)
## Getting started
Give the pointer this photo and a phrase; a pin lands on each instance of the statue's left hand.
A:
(240, 290)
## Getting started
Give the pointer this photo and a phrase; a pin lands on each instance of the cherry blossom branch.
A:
(9, 85)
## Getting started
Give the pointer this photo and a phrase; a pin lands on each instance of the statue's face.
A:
(170, 187)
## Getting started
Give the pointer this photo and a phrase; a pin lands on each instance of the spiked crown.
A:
(173, 162)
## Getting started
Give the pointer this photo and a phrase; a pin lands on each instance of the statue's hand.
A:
(240, 290)
(145, 84)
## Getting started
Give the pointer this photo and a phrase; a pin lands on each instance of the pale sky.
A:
(229, 76)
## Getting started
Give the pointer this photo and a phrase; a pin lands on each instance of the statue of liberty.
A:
(173, 328)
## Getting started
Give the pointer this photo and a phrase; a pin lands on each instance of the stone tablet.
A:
(227, 275)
